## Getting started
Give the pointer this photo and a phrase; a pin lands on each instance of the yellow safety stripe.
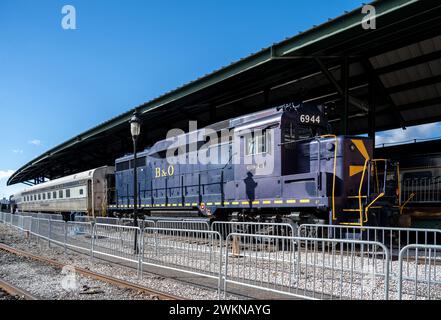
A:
(361, 147)
(225, 203)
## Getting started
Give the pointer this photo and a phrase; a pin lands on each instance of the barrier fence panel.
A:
(419, 272)
(33, 214)
(79, 235)
(15, 220)
(325, 262)
(121, 242)
(34, 226)
(264, 228)
(43, 228)
(19, 223)
(308, 268)
(394, 238)
(142, 223)
(193, 251)
(9, 218)
(83, 219)
(44, 215)
(183, 224)
(126, 222)
(58, 232)
(107, 220)
(27, 220)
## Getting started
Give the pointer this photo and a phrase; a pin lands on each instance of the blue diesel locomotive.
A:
(276, 164)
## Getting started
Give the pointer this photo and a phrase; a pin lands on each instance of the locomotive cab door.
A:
(295, 148)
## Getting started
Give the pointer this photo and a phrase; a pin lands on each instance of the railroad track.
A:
(16, 291)
(93, 275)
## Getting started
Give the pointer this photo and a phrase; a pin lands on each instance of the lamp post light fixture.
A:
(135, 130)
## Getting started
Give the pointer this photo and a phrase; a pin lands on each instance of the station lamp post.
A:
(135, 129)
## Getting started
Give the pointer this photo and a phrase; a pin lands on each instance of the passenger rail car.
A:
(84, 192)
(307, 174)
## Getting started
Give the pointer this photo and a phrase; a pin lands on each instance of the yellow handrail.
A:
(370, 204)
(360, 207)
(405, 202)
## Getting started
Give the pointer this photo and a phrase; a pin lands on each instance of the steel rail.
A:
(16, 291)
(97, 276)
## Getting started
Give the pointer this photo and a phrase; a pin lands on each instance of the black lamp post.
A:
(135, 129)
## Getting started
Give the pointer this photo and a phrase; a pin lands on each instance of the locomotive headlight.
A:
(352, 147)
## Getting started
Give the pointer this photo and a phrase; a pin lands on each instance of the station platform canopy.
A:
(370, 80)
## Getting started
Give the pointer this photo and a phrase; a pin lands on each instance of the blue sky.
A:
(57, 83)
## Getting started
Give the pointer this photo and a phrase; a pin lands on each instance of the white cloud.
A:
(424, 131)
(17, 151)
(35, 142)
(4, 174)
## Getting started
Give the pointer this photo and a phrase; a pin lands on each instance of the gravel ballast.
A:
(48, 282)
(17, 238)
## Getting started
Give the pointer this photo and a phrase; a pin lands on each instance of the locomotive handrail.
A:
(360, 206)
(370, 204)
(405, 202)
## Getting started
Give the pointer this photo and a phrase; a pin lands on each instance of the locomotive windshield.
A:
(299, 125)
(292, 133)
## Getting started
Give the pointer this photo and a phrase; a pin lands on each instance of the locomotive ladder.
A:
(361, 212)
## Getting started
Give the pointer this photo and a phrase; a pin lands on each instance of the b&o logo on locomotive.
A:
(159, 172)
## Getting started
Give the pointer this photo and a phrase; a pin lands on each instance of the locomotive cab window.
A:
(258, 143)
(60, 194)
(67, 193)
(121, 166)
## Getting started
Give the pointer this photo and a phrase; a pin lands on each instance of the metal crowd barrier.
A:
(394, 238)
(8, 219)
(308, 268)
(117, 241)
(328, 262)
(58, 233)
(264, 228)
(83, 219)
(420, 277)
(79, 235)
(188, 225)
(107, 220)
(142, 223)
(16, 220)
(177, 249)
